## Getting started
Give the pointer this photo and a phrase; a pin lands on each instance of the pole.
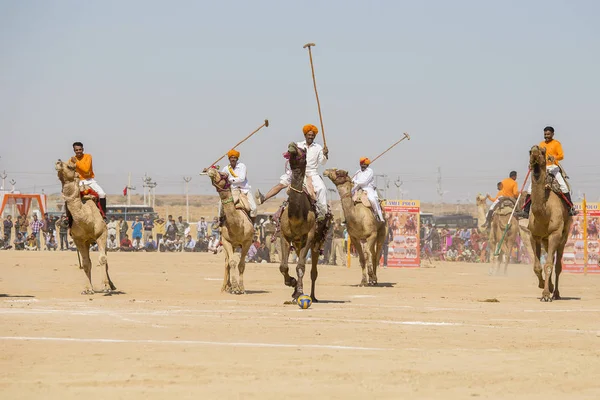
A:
(3, 176)
(129, 190)
(187, 199)
(348, 256)
(312, 68)
(511, 215)
(266, 123)
(144, 179)
(406, 136)
(585, 236)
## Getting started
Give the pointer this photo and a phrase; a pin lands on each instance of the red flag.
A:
(125, 191)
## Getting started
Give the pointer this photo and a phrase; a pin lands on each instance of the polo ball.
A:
(304, 301)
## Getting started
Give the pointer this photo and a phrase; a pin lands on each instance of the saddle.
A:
(504, 206)
(240, 201)
(552, 184)
(360, 196)
(87, 193)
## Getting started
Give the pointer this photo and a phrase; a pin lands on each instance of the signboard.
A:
(573, 256)
(403, 220)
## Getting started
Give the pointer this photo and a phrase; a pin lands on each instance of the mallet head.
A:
(406, 135)
(308, 45)
(267, 123)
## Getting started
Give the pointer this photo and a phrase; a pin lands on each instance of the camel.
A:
(549, 224)
(482, 208)
(299, 227)
(88, 225)
(362, 225)
(497, 228)
(237, 231)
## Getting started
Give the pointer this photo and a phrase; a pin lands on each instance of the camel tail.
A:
(110, 282)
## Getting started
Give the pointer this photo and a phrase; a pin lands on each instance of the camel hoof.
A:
(87, 291)
(556, 296)
(546, 298)
(293, 282)
(363, 283)
(314, 299)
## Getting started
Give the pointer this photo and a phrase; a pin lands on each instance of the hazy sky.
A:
(166, 87)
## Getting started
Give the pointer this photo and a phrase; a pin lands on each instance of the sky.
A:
(165, 88)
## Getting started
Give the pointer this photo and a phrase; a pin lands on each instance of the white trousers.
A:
(251, 201)
(94, 186)
(374, 200)
(320, 191)
(554, 170)
(494, 203)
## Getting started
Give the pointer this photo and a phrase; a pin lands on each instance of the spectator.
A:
(214, 229)
(178, 243)
(8, 225)
(51, 243)
(386, 242)
(36, 227)
(181, 226)
(190, 244)
(150, 244)
(202, 229)
(337, 256)
(159, 226)
(171, 231)
(32, 242)
(251, 256)
(19, 242)
(24, 226)
(18, 226)
(111, 243)
(45, 230)
(148, 226)
(63, 230)
(5, 243)
(123, 228)
(137, 244)
(126, 244)
(452, 253)
(136, 229)
(201, 245)
(112, 227)
(214, 245)
(262, 254)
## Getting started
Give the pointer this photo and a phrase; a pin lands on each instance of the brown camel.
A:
(362, 225)
(482, 209)
(88, 226)
(498, 225)
(549, 224)
(299, 227)
(237, 231)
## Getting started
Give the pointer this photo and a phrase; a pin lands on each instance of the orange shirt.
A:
(554, 148)
(509, 188)
(498, 195)
(84, 167)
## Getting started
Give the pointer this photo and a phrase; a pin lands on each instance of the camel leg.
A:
(283, 266)
(558, 266)
(107, 285)
(537, 267)
(301, 269)
(370, 255)
(552, 246)
(242, 267)
(377, 256)
(229, 260)
(86, 264)
(545, 247)
(361, 258)
(314, 272)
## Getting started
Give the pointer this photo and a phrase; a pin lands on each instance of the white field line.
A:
(196, 342)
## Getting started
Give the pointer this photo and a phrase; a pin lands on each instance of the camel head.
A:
(480, 200)
(296, 155)
(537, 160)
(337, 176)
(219, 180)
(66, 170)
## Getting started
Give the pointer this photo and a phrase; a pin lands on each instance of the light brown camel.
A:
(299, 227)
(482, 209)
(549, 224)
(88, 226)
(237, 231)
(362, 225)
(497, 228)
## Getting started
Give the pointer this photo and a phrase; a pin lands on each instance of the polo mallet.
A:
(312, 68)
(497, 252)
(240, 142)
(406, 136)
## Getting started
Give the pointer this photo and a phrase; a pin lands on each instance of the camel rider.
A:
(237, 174)
(554, 154)
(85, 170)
(315, 156)
(365, 179)
(507, 189)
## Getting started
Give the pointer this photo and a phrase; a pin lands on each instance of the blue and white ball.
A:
(304, 301)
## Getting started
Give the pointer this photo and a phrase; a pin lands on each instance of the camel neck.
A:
(70, 192)
(297, 179)
(538, 190)
(345, 191)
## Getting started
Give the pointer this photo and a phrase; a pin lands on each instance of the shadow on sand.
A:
(17, 295)
(380, 284)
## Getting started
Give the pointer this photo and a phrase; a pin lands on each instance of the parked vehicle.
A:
(129, 212)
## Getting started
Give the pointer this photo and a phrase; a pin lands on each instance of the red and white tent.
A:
(23, 202)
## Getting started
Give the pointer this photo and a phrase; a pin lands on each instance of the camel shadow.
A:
(380, 284)
(114, 292)
(257, 291)
(17, 295)
(333, 301)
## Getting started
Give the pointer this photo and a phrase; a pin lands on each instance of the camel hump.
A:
(240, 200)
(360, 196)
(505, 206)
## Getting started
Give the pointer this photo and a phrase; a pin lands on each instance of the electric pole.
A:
(398, 184)
(129, 189)
(3, 176)
(439, 189)
(13, 183)
(187, 198)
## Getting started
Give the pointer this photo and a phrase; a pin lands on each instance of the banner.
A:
(573, 256)
(403, 221)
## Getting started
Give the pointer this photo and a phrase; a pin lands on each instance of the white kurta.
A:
(239, 180)
(365, 180)
(554, 170)
(314, 158)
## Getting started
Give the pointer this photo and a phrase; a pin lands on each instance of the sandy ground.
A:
(170, 333)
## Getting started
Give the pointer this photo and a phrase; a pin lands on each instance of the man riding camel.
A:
(315, 155)
(85, 170)
(554, 154)
(506, 189)
(365, 179)
(237, 174)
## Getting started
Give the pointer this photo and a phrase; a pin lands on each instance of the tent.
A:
(23, 202)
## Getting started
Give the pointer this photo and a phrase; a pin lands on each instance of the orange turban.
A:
(233, 153)
(365, 160)
(310, 128)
